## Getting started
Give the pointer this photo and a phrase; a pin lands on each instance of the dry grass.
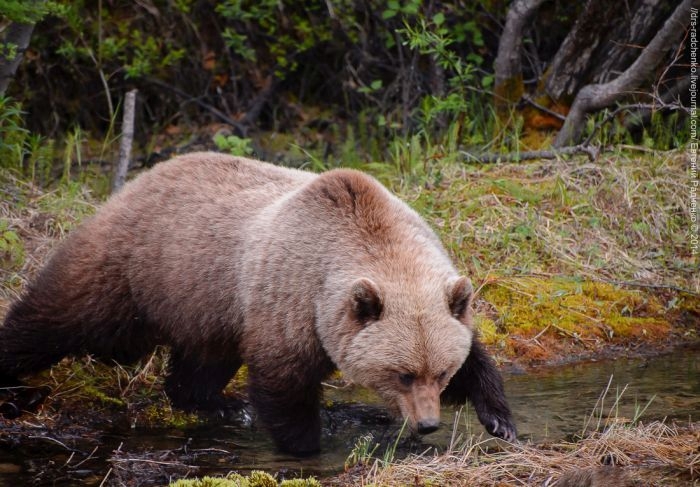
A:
(621, 218)
(572, 256)
(652, 454)
(32, 221)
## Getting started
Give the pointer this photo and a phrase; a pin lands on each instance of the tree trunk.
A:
(125, 142)
(568, 69)
(598, 96)
(16, 40)
(509, 86)
(605, 40)
(646, 19)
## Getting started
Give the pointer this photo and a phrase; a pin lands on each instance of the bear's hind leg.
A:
(79, 303)
(31, 341)
(195, 384)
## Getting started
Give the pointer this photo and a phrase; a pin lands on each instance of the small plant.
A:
(11, 248)
(234, 145)
(390, 453)
(612, 417)
(362, 452)
(30, 155)
(13, 135)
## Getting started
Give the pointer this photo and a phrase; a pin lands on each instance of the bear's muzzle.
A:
(421, 406)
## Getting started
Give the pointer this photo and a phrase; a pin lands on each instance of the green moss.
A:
(100, 395)
(488, 331)
(240, 380)
(89, 380)
(256, 478)
(528, 306)
(507, 94)
(159, 414)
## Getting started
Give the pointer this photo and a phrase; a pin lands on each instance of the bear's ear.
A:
(365, 301)
(459, 297)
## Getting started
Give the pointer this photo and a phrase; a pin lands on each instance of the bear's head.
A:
(406, 341)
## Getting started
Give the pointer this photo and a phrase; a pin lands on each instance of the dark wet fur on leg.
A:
(195, 385)
(480, 382)
(53, 320)
(288, 403)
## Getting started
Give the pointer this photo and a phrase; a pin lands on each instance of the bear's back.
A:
(354, 211)
(333, 229)
(175, 234)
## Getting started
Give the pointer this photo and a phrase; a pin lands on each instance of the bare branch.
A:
(544, 109)
(241, 130)
(591, 151)
(597, 96)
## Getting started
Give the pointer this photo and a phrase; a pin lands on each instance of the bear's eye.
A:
(407, 379)
(442, 376)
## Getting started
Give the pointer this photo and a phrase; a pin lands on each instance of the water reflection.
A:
(557, 402)
(549, 404)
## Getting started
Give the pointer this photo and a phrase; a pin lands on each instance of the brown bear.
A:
(228, 261)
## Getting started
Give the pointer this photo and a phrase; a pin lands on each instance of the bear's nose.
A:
(426, 426)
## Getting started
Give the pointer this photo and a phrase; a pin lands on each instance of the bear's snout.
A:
(428, 425)
(420, 405)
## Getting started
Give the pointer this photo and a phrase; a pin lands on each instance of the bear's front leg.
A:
(289, 406)
(195, 384)
(480, 382)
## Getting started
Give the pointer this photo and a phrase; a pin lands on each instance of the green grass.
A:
(622, 217)
(570, 251)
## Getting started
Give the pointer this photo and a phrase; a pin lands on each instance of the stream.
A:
(548, 404)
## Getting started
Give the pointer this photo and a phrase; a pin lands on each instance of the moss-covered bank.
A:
(571, 259)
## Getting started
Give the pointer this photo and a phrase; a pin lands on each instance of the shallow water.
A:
(548, 404)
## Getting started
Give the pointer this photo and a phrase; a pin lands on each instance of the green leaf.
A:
(387, 14)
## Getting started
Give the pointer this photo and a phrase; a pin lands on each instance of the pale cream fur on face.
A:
(419, 339)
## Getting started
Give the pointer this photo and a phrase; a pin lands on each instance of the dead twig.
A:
(591, 151)
(544, 109)
(241, 129)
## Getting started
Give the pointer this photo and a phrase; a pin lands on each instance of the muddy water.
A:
(548, 404)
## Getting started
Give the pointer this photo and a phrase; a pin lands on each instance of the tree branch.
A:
(591, 151)
(597, 96)
(241, 130)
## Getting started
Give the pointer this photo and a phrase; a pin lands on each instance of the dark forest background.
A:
(344, 78)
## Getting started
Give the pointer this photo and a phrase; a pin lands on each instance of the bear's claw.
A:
(501, 428)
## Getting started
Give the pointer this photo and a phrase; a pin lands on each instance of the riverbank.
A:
(619, 455)
(572, 260)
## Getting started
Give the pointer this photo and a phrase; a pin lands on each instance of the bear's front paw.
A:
(501, 428)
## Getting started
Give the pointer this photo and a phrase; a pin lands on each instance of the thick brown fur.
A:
(230, 261)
